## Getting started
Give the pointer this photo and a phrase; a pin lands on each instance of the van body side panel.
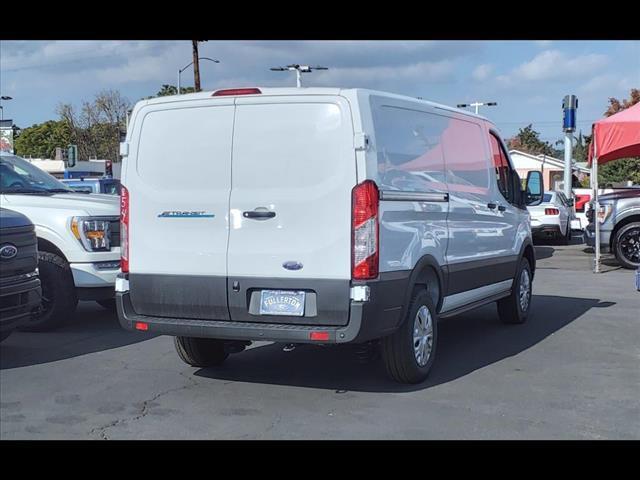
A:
(408, 167)
(293, 163)
(179, 179)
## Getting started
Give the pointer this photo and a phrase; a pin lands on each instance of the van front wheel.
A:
(200, 352)
(515, 308)
(409, 353)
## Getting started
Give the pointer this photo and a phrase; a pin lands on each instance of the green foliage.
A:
(619, 171)
(167, 90)
(41, 140)
(528, 140)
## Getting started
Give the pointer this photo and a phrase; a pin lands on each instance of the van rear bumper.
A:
(222, 329)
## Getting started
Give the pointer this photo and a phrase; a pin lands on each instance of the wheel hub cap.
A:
(525, 290)
(422, 336)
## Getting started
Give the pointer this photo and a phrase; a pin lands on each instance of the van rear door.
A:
(293, 170)
(179, 202)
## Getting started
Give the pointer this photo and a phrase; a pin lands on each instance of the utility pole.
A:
(299, 69)
(477, 104)
(196, 66)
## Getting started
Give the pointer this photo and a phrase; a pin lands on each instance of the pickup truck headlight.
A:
(92, 233)
(604, 213)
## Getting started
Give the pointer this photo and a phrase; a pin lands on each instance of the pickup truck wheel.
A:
(515, 308)
(409, 353)
(59, 300)
(627, 245)
(200, 352)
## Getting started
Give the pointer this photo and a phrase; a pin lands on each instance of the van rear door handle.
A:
(258, 214)
(492, 205)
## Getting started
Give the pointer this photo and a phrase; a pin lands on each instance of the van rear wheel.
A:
(200, 352)
(409, 353)
(515, 308)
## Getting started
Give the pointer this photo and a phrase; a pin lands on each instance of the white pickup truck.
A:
(78, 239)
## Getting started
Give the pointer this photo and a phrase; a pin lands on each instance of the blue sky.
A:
(527, 78)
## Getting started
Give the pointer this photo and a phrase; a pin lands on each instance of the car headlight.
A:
(92, 233)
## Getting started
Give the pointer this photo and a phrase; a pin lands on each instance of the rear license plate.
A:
(282, 302)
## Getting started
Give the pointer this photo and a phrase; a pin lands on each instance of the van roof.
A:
(291, 91)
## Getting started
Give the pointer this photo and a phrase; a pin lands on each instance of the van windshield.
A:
(19, 176)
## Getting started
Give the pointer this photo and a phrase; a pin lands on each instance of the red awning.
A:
(617, 136)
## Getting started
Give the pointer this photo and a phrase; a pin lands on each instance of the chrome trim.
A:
(461, 299)
(413, 196)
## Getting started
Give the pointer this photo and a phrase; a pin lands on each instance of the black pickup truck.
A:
(20, 293)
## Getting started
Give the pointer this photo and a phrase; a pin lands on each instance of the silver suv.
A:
(620, 226)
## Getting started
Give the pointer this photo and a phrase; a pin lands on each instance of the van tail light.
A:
(551, 211)
(365, 231)
(124, 230)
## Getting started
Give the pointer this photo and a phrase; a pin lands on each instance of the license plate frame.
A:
(288, 303)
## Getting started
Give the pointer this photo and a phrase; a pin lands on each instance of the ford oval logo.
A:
(8, 251)
(292, 265)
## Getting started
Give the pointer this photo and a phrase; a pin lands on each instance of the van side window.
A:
(409, 149)
(466, 160)
(502, 169)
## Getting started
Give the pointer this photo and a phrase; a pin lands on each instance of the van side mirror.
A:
(533, 189)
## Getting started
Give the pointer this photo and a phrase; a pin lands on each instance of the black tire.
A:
(200, 352)
(398, 349)
(5, 335)
(109, 304)
(566, 238)
(58, 292)
(510, 309)
(627, 250)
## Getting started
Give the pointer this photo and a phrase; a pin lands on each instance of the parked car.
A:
(619, 218)
(78, 239)
(20, 293)
(322, 235)
(110, 186)
(552, 218)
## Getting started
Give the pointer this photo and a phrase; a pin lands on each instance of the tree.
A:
(41, 140)
(623, 169)
(167, 90)
(528, 140)
(96, 127)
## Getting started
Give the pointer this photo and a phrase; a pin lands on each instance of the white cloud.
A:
(482, 72)
(555, 65)
(607, 82)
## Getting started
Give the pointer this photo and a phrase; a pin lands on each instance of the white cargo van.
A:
(317, 215)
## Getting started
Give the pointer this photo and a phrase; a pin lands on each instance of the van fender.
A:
(422, 274)
(528, 251)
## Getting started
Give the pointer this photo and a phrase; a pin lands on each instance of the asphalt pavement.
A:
(571, 372)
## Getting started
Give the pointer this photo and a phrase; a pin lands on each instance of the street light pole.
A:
(180, 70)
(476, 105)
(299, 69)
(3, 97)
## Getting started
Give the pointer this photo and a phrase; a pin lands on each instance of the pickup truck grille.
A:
(26, 260)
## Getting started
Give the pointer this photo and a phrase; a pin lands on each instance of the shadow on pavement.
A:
(466, 343)
(93, 329)
(544, 252)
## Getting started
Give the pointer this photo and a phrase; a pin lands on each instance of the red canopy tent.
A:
(617, 136)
